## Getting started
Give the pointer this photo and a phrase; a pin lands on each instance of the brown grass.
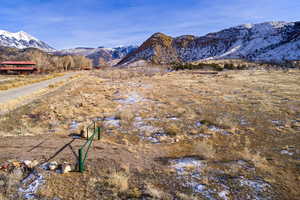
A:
(26, 80)
(119, 180)
(156, 193)
(258, 111)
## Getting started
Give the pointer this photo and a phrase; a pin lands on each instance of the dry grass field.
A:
(13, 81)
(171, 135)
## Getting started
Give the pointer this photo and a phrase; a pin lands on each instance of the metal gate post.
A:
(94, 125)
(87, 133)
(80, 161)
(99, 132)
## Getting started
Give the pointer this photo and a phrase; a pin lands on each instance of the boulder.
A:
(34, 163)
(53, 165)
(66, 169)
(27, 163)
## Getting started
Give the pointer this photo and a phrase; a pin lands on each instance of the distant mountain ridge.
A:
(22, 40)
(100, 55)
(269, 41)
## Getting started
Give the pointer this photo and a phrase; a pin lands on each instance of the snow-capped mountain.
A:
(269, 41)
(22, 40)
(99, 55)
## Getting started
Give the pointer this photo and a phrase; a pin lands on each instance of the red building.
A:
(17, 67)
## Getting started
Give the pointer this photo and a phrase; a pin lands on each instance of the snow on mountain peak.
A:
(21, 35)
(248, 26)
(22, 40)
(101, 53)
(3, 32)
(265, 25)
(268, 41)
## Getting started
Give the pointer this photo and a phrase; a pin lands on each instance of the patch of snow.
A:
(183, 164)
(286, 152)
(172, 118)
(138, 63)
(148, 132)
(44, 166)
(256, 185)
(74, 125)
(198, 124)
(142, 125)
(278, 123)
(248, 26)
(152, 119)
(235, 47)
(111, 122)
(190, 170)
(31, 184)
(217, 129)
(201, 135)
(243, 122)
(224, 194)
(153, 140)
(202, 189)
(76, 137)
(148, 128)
(132, 98)
(199, 187)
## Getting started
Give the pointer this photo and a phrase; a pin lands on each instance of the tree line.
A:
(46, 62)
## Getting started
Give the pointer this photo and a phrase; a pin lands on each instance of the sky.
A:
(92, 23)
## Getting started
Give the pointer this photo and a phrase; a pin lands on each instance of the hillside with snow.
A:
(269, 41)
(100, 55)
(22, 40)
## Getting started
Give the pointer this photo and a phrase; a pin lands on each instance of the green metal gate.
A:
(84, 149)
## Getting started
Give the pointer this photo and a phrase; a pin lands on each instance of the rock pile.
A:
(29, 165)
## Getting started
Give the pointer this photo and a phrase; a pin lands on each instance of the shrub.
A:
(241, 67)
(229, 66)
(188, 66)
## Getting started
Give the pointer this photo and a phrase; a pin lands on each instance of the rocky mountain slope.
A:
(100, 55)
(22, 40)
(269, 41)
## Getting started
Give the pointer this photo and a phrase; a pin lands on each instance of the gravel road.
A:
(14, 93)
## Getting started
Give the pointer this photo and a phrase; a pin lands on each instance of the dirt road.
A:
(14, 93)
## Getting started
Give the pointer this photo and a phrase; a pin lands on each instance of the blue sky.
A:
(109, 23)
